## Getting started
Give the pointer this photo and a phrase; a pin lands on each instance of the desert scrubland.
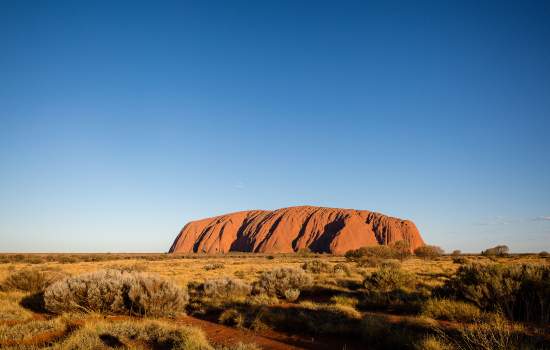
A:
(371, 298)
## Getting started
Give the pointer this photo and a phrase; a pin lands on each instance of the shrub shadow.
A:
(34, 302)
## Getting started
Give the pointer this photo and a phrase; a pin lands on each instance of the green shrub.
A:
(450, 310)
(116, 292)
(388, 279)
(544, 254)
(428, 252)
(31, 280)
(499, 250)
(226, 288)
(316, 266)
(136, 335)
(277, 281)
(521, 292)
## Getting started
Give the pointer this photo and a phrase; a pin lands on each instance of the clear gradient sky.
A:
(120, 121)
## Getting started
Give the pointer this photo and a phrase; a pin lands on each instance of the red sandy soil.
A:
(269, 339)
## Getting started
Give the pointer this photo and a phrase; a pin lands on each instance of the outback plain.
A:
(379, 297)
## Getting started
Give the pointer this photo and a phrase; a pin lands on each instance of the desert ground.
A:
(368, 299)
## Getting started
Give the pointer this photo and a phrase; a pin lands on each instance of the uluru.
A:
(287, 230)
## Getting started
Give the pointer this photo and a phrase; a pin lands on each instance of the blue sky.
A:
(120, 121)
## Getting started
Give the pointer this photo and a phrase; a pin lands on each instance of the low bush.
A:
(390, 264)
(378, 251)
(456, 252)
(226, 288)
(369, 261)
(68, 259)
(450, 310)
(232, 317)
(277, 281)
(428, 252)
(10, 308)
(392, 288)
(402, 249)
(499, 250)
(31, 280)
(341, 268)
(388, 279)
(214, 266)
(544, 254)
(304, 252)
(136, 267)
(316, 266)
(136, 335)
(397, 250)
(116, 292)
(460, 260)
(521, 292)
(292, 294)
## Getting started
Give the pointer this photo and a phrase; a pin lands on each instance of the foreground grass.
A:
(396, 306)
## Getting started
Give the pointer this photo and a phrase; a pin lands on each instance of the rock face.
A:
(290, 229)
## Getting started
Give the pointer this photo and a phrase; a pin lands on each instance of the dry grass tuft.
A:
(10, 310)
(344, 300)
(32, 333)
(136, 335)
(432, 342)
(226, 288)
(450, 310)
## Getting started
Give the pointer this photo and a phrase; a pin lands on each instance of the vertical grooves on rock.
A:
(283, 230)
(303, 229)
